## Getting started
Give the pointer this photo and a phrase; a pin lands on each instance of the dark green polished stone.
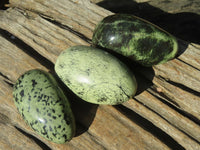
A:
(135, 38)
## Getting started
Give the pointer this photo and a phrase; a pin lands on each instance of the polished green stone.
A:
(44, 106)
(135, 38)
(95, 75)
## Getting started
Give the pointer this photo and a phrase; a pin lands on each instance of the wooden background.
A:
(165, 113)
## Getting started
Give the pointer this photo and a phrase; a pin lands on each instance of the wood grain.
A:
(163, 116)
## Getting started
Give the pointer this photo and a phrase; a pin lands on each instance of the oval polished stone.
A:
(44, 106)
(135, 38)
(95, 75)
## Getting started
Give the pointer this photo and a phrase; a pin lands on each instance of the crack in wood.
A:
(27, 49)
(38, 141)
(181, 86)
(154, 111)
(150, 127)
(7, 80)
(188, 64)
(66, 28)
(4, 119)
(95, 139)
(166, 100)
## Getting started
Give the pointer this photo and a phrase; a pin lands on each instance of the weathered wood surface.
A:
(164, 115)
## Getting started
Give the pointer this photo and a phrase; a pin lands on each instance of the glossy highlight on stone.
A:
(44, 106)
(135, 38)
(95, 75)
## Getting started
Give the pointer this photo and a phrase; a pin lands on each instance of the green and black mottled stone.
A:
(95, 75)
(44, 106)
(135, 38)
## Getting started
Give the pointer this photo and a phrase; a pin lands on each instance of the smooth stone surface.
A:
(135, 38)
(44, 106)
(95, 75)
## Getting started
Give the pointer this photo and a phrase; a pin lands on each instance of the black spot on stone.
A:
(16, 99)
(37, 110)
(23, 115)
(29, 98)
(40, 97)
(29, 108)
(59, 126)
(148, 29)
(50, 128)
(45, 80)
(63, 129)
(164, 47)
(47, 136)
(145, 45)
(31, 124)
(66, 118)
(44, 132)
(45, 101)
(80, 93)
(61, 65)
(103, 99)
(49, 114)
(19, 81)
(54, 134)
(65, 136)
(125, 39)
(68, 82)
(133, 28)
(22, 76)
(53, 110)
(21, 86)
(61, 104)
(34, 83)
(48, 98)
(47, 87)
(54, 117)
(22, 93)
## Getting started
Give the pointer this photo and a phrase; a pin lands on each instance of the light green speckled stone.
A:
(95, 75)
(44, 106)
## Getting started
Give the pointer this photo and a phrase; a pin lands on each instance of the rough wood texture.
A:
(165, 113)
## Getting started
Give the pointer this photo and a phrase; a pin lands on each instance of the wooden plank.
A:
(52, 26)
(11, 134)
(88, 140)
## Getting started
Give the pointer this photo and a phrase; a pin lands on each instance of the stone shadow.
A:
(184, 25)
(3, 4)
(83, 111)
